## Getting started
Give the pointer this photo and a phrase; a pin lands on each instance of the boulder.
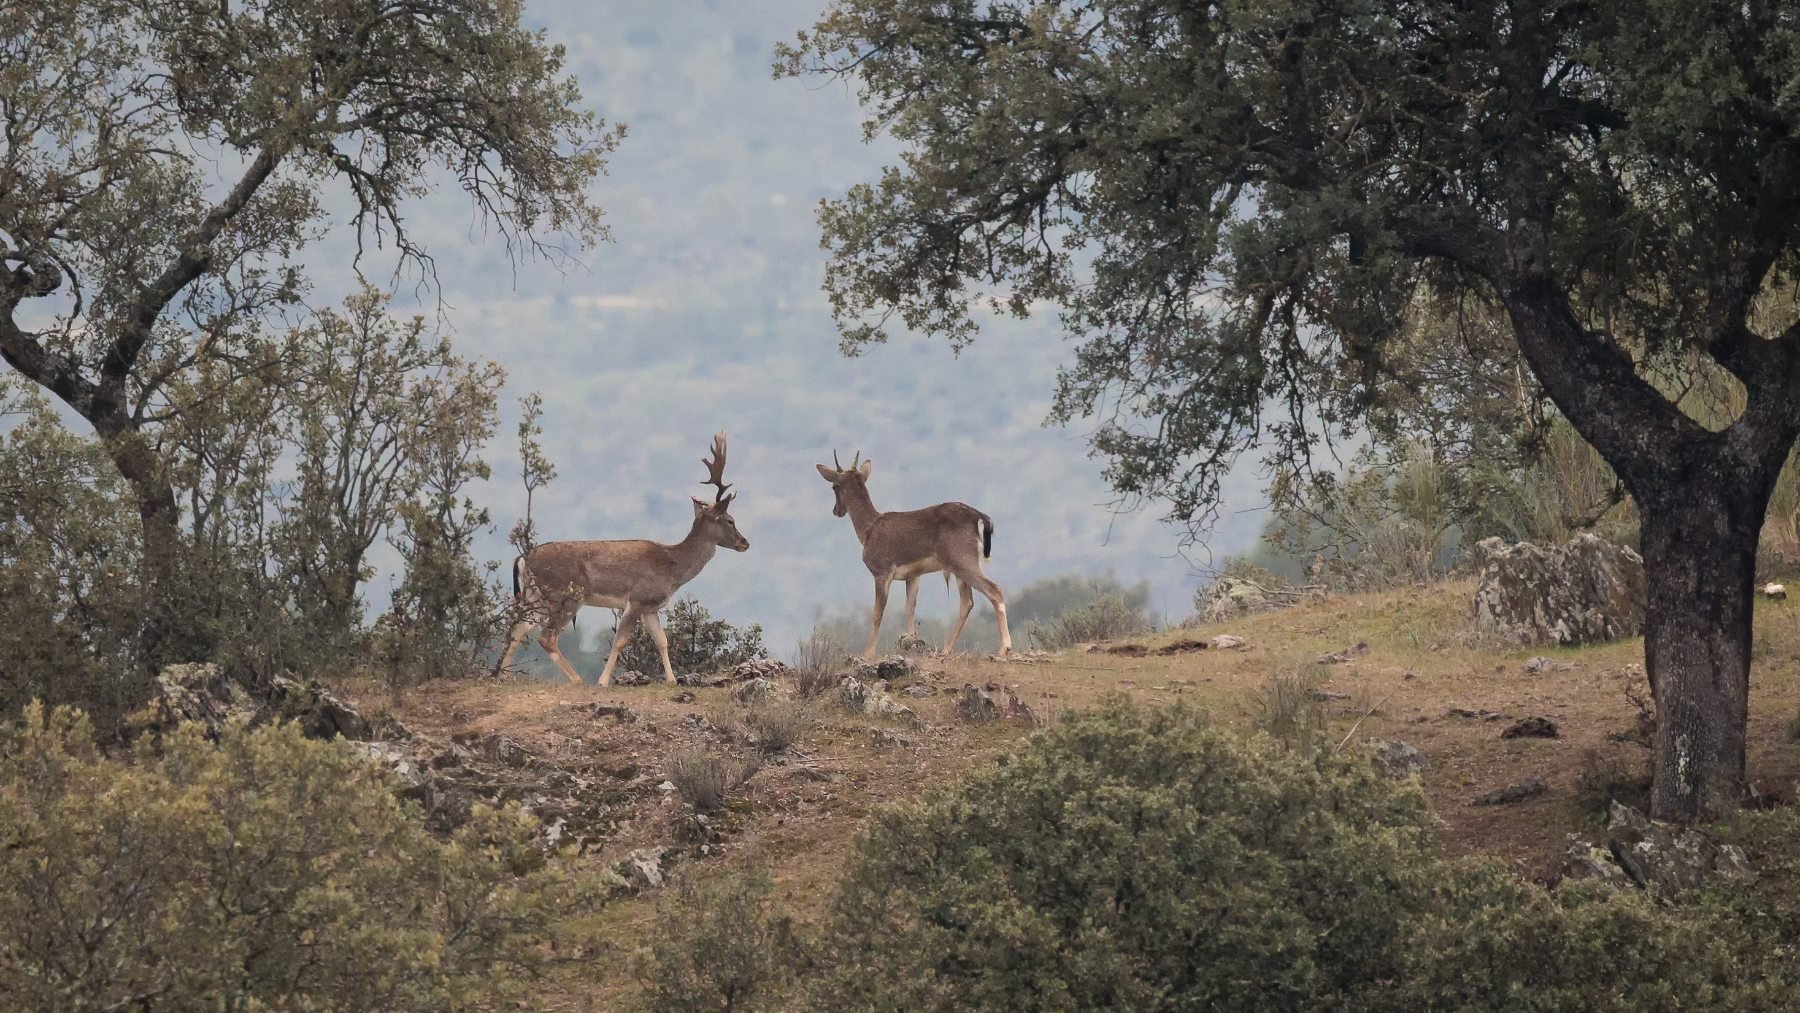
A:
(1233, 596)
(205, 693)
(1398, 760)
(1227, 642)
(758, 690)
(1584, 592)
(760, 668)
(1667, 860)
(641, 870)
(865, 699)
(890, 669)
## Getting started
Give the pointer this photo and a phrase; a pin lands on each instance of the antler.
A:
(715, 469)
(839, 465)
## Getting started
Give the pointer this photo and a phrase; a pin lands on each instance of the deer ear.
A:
(699, 505)
(866, 465)
(826, 473)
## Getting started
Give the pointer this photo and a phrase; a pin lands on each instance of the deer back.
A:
(948, 531)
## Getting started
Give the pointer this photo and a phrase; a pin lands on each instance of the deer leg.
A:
(514, 638)
(653, 623)
(992, 592)
(912, 606)
(553, 628)
(621, 637)
(881, 592)
(962, 615)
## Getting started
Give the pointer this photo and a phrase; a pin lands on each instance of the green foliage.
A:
(1487, 942)
(721, 944)
(1131, 860)
(1039, 602)
(68, 559)
(262, 871)
(535, 469)
(1107, 617)
(697, 642)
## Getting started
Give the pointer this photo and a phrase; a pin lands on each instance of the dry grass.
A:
(703, 778)
(799, 819)
(777, 726)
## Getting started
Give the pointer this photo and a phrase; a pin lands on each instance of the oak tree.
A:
(1234, 204)
(165, 163)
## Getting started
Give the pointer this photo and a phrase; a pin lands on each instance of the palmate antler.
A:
(715, 469)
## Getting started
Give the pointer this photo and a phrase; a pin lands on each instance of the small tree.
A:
(697, 642)
(123, 266)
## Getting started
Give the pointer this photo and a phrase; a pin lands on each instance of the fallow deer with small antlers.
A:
(907, 544)
(637, 576)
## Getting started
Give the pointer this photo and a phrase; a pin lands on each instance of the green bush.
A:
(266, 870)
(1487, 942)
(697, 642)
(1108, 617)
(720, 945)
(1132, 860)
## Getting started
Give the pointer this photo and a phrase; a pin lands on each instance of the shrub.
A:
(1131, 859)
(267, 870)
(1107, 617)
(1487, 942)
(777, 725)
(704, 778)
(1289, 711)
(697, 642)
(817, 661)
(720, 945)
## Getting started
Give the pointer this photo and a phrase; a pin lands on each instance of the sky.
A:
(704, 313)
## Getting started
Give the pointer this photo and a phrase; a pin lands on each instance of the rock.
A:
(1185, 646)
(973, 704)
(642, 869)
(761, 668)
(1584, 592)
(892, 668)
(496, 748)
(1230, 597)
(1326, 695)
(203, 692)
(758, 690)
(685, 696)
(1474, 714)
(1398, 760)
(1339, 657)
(1667, 860)
(919, 689)
(910, 644)
(1227, 642)
(1531, 728)
(1022, 657)
(888, 737)
(1589, 861)
(1543, 664)
(629, 677)
(863, 699)
(703, 681)
(1777, 592)
(618, 712)
(1513, 793)
(1126, 650)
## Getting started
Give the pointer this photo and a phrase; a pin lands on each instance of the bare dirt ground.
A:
(799, 816)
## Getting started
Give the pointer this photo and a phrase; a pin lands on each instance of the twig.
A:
(1359, 721)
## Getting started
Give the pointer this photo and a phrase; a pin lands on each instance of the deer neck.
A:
(691, 555)
(861, 510)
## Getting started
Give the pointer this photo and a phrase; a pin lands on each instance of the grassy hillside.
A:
(1410, 664)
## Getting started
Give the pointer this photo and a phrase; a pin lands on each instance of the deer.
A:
(907, 544)
(636, 576)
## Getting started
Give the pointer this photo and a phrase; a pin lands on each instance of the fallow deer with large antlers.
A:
(637, 576)
(907, 544)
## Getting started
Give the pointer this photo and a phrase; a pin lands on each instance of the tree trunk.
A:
(1699, 551)
(170, 633)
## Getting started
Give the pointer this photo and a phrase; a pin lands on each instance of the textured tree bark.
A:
(170, 632)
(1700, 562)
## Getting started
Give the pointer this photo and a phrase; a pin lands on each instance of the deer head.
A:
(713, 521)
(841, 479)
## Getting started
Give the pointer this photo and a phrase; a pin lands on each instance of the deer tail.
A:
(985, 527)
(518, 575)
